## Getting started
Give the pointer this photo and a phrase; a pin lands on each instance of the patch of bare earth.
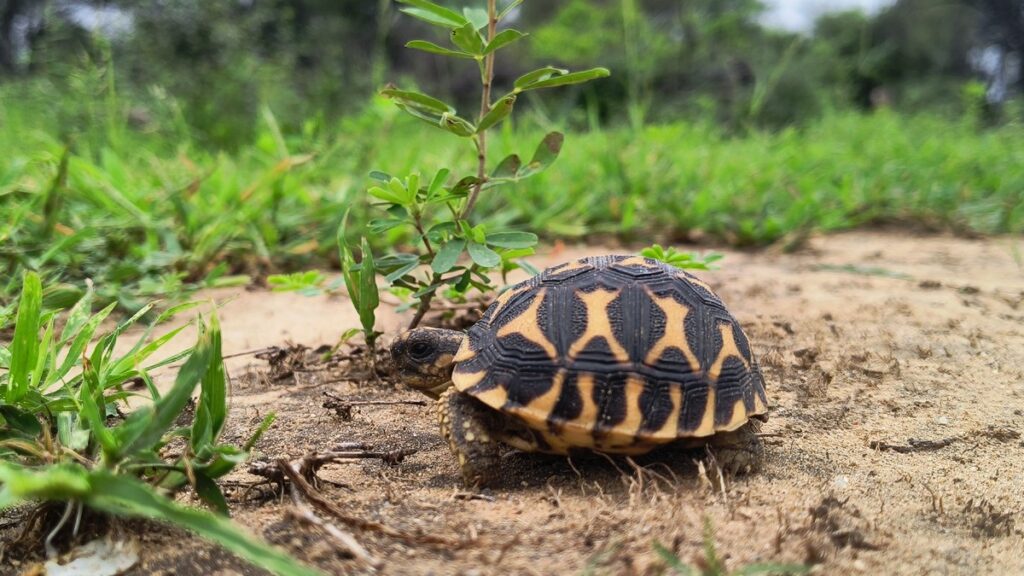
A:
(895, 368)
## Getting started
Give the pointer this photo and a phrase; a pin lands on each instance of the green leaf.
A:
(78, 317)
(437, 184)
(21, 421)
(211, 409)
(418, 100)
(369, 297)
(508, 167)
(483, 255)
(477, 233)
(55, 482)
(503, 38)
(61, 296)
(435, 49)
(544, 156)
(386, 194)
(145, 427)
(260, 430)
(502, 108)
(210, 494)
(458, 126)
(90, 401)
(70, 431)
(382, 225)
(126, 496)
(467, 38)
(536, 76)
(512, 239)
(434, 14)
(566, 79)
(380, 176)
(447, 256)
(507, 9)
(404, 264)
(401, 191)
(478, 16)
(25, 346)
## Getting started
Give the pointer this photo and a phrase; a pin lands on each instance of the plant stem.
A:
(485, 107)
(424, 306)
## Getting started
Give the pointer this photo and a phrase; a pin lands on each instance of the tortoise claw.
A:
(466, 425)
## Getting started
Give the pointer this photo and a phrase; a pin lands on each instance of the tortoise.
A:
(615, 354)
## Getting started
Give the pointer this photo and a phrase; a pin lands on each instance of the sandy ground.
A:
(895, 445)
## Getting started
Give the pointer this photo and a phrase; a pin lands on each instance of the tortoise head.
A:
(423, 358)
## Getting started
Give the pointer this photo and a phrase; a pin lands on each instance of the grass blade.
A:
(25, 347)
(128, 497)
(211, 410)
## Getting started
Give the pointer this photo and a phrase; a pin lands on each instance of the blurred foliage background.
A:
(221, 61)
(159, 146)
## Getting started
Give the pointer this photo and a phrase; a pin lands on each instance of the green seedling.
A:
(712, 565)
(673, 257)
(439, 210)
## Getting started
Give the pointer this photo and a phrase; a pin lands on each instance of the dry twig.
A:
(322, 504)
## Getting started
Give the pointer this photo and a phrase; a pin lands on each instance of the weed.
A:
(63, 438)
(438, 212)
(712, 565)
(673, 257)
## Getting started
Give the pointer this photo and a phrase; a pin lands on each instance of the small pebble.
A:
(942, 420)
(841, 482)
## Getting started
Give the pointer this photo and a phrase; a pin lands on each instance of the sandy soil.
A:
(895, 445)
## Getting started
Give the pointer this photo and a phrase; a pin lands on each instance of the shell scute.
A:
(613, 352)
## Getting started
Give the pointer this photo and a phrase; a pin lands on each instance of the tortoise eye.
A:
(420, 350)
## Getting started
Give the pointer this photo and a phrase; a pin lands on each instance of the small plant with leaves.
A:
(679, 259)
(712, 565)
(64, 439)
(439, 209)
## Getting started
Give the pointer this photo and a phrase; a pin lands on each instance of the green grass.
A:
(147, 212)
(64, 439)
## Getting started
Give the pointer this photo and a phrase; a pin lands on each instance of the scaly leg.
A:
(740, 451)
(469, 427)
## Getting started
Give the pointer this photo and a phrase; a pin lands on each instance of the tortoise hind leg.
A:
(740, 451)
(469, 427)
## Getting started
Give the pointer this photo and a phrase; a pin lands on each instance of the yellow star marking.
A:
(598, 325)
(738, 417)
(729, 348)
(538, 411)
(675, 332)
(759, 406)
(634, 261)
(707, 423)
(465, 380)
(528, 326)
(696, 281)
(624, 432)
(504, 298)
(568, 267)
(580, 431)
(557, 442)
(670, 429)
(464, 353)
(495, 397)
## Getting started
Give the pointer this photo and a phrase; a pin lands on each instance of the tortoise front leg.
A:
(468, 426)
(740, 451)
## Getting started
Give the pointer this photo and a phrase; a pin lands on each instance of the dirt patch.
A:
(895, 369)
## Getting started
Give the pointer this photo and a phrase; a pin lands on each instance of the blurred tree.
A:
(1002, 27)
(709, 59)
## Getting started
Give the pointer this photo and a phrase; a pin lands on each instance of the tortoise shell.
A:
(616, 353)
